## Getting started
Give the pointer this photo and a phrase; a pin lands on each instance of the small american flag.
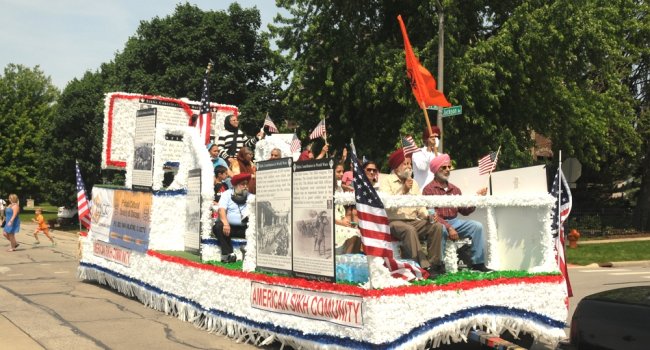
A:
(408, 145)
(562, 193)
(373, 224)
(319, 130)
(488, 163)
(83, 206)
(205, 116)
(268, 122)
(295, 144)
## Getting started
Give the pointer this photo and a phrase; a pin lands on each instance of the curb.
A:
(612, 264)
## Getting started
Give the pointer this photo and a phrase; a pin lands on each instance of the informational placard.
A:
(173, 148)
(101, 213)
(337, 308)
(192, 237)
(313, 219)
(145, 134)
(273, 215)
(131, 220)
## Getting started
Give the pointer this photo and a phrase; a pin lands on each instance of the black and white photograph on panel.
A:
(273, 215)
(145, 134)
(313, 219)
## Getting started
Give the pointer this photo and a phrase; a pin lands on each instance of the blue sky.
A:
(66, 38)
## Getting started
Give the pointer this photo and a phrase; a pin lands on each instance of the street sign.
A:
(451, 111)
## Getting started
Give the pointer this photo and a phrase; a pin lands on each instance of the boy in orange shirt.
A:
(42, 226)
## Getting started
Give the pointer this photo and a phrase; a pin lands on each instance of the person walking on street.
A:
(42, 227)
(12, 222)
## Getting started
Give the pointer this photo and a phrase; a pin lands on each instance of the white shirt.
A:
(420, 161)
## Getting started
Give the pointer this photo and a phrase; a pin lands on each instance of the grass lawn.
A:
(586, 254)
(49, 212)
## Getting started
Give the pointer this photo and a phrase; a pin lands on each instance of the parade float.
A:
(289, 292)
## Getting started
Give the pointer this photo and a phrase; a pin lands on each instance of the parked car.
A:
(614, 319)
(66, 216)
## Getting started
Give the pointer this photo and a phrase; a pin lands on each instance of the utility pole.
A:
(441, 69)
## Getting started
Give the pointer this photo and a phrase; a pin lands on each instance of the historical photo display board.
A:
(313, 219)
(145, 134)
(273, 215)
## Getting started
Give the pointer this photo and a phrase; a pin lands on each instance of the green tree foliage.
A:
(75, 134)
(168, 57)
(27, 103)
(554, 67)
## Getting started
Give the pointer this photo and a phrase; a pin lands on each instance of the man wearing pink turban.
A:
(410, 224)
(453, 227)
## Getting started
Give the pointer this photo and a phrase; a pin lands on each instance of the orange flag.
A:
(422, 82)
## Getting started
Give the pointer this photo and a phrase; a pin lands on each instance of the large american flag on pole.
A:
(205, 115)
(373, 224)
(561, 210)
(318, 131)
(408, 145)
(83, 206)
(268, 122)
(488, 163)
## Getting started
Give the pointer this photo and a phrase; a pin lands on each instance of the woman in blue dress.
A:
(12, 222)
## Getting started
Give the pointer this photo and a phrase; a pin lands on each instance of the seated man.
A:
(409, 225)
(233, 214)
(448, 217)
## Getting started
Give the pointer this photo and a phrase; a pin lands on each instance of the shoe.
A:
(229, 259)
(53, 244)
(465, 254)
(37, 242)
(436, 270)
(481, 268)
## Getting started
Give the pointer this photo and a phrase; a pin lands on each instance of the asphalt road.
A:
(44, 306)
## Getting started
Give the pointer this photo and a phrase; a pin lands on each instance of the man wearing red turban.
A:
(410, 224)
(453, 227)
(233, 215)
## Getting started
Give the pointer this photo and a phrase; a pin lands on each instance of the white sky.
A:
(66, 38)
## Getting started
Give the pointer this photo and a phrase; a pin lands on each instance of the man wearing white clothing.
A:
(421, 160)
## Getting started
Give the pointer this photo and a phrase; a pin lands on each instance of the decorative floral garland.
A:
(210, 296)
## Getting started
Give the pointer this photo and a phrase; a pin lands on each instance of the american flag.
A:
(205, 116)
(83, 206)
(373, 224)
(408, 145)
(295, 144)
(319, 130)
(562, 193)
(488, 163)
(268, 122)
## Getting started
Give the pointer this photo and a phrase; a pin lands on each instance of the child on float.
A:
(42, 227)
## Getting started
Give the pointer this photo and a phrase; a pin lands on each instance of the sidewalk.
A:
(613, 240)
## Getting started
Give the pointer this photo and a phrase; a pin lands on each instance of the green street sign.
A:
(451, 111)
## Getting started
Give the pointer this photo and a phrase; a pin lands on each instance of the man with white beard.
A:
(410, 224)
